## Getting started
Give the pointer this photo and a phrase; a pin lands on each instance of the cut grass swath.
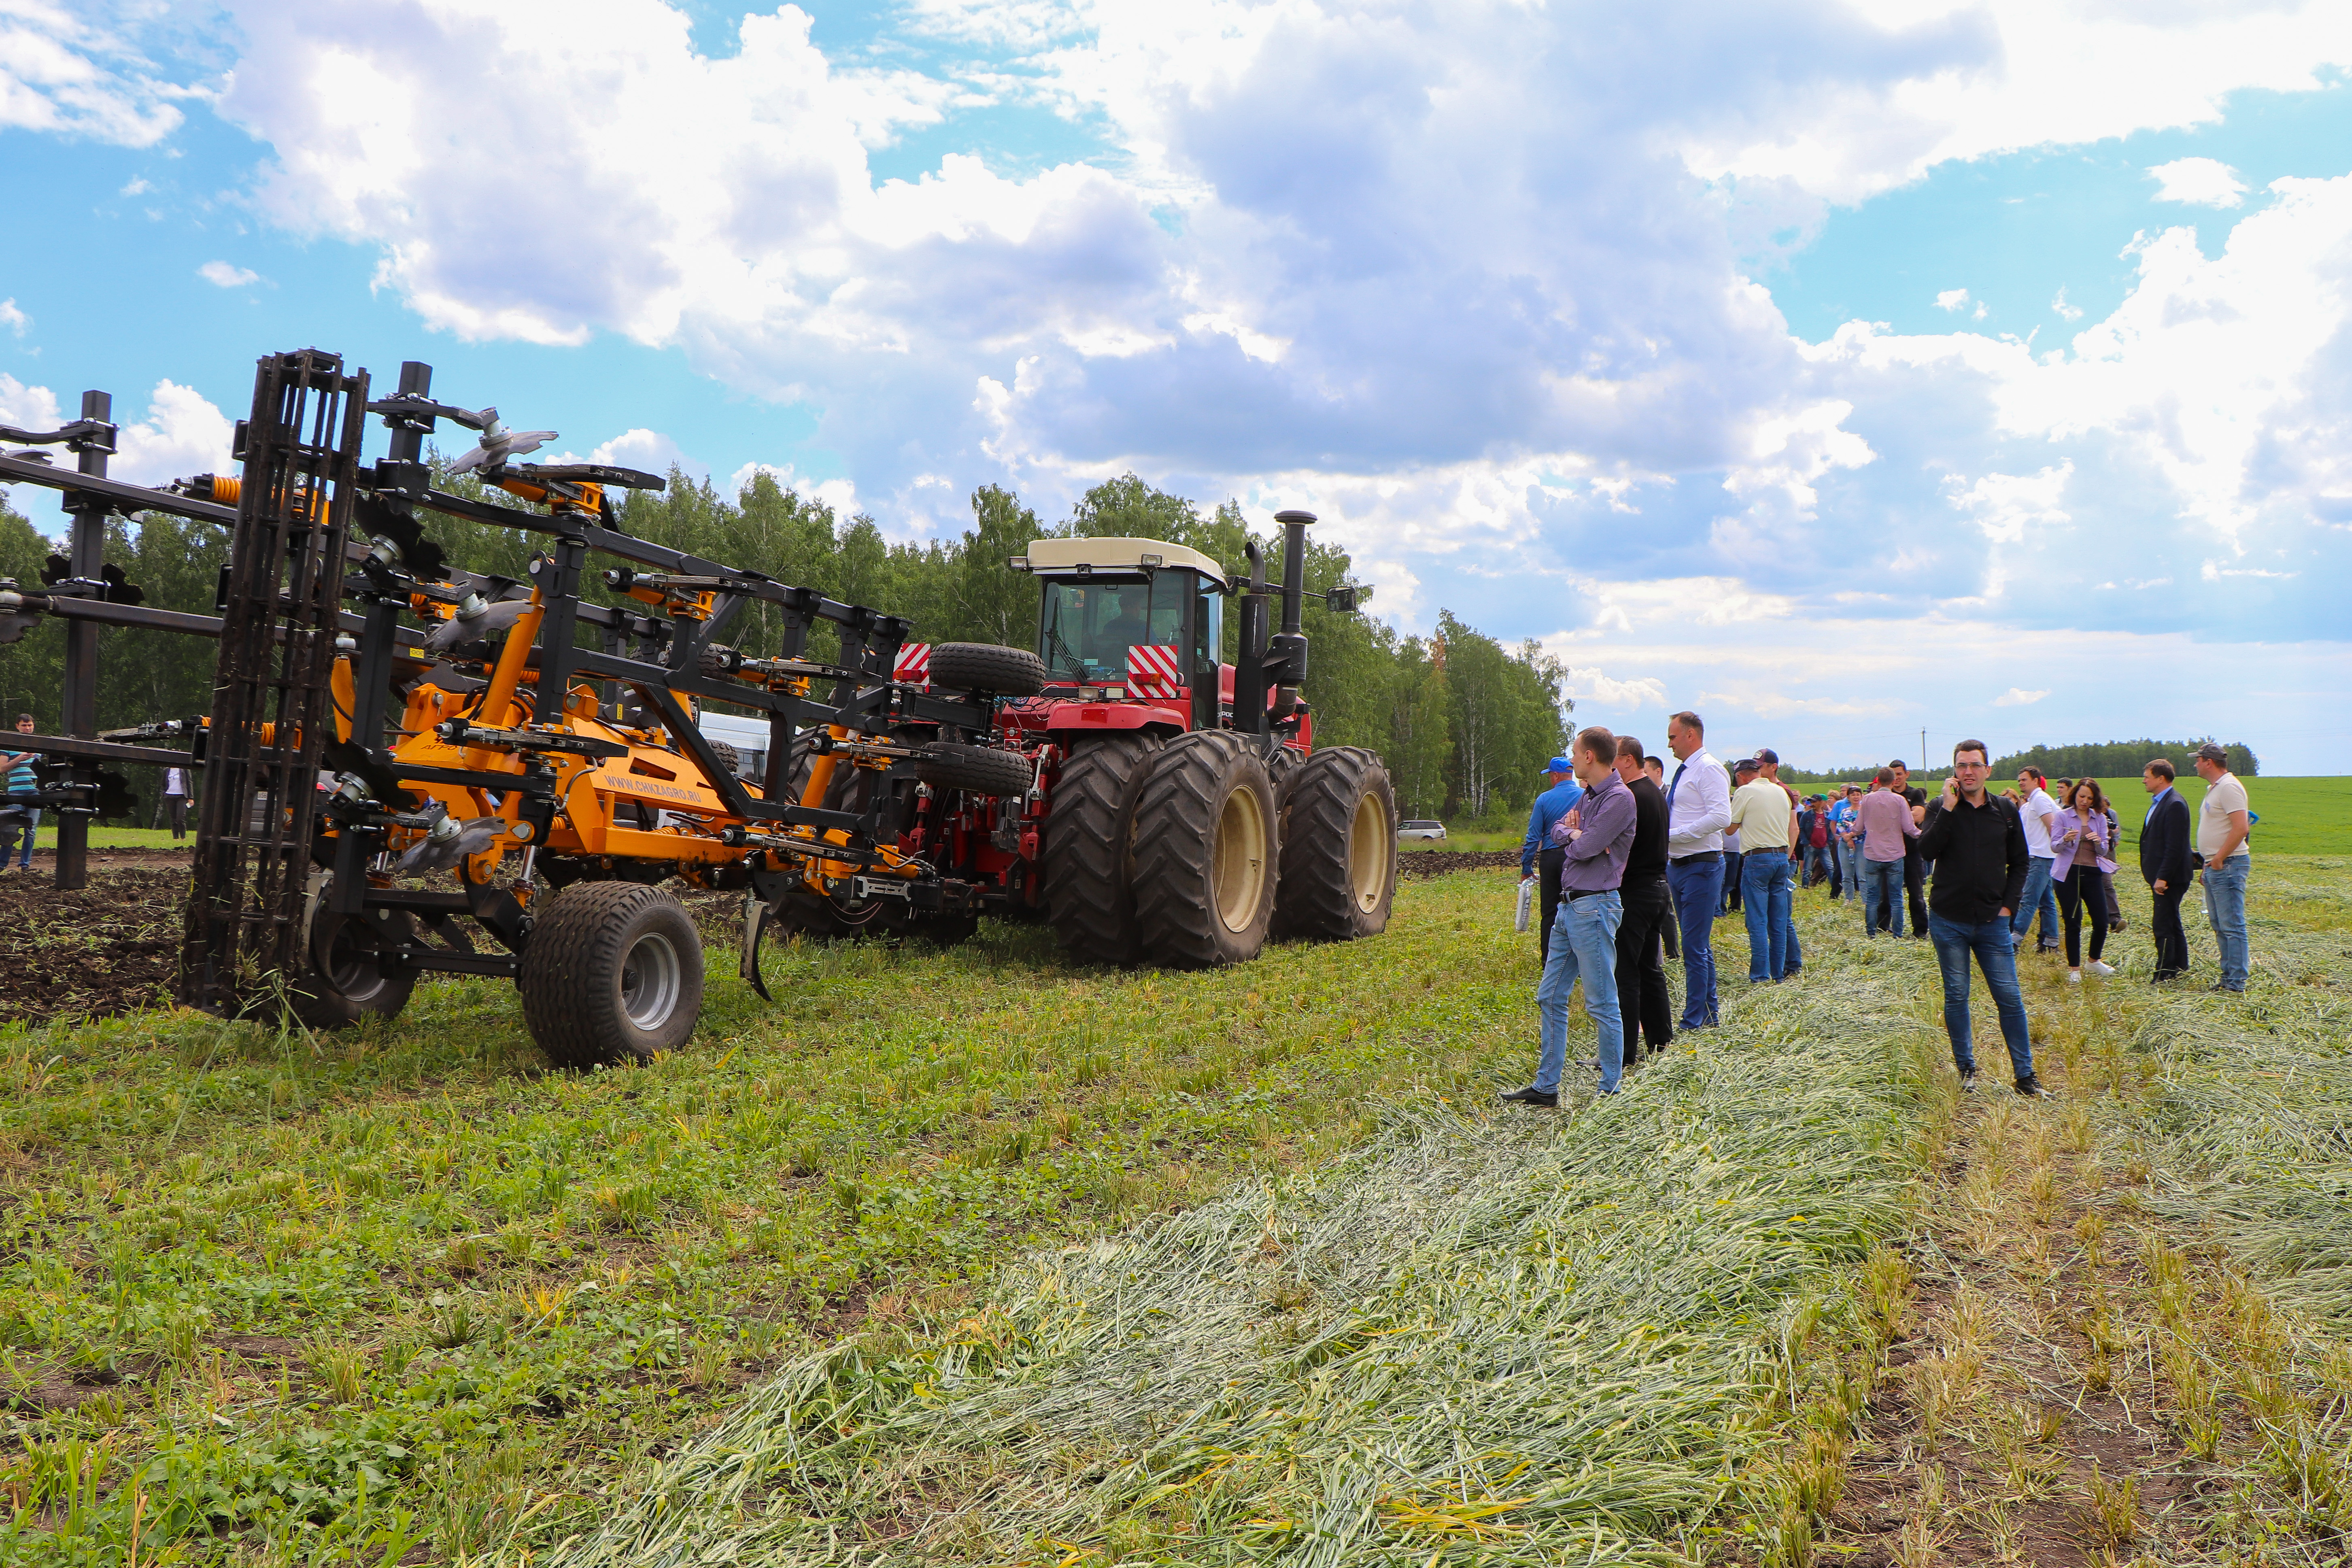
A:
(1537, 1338)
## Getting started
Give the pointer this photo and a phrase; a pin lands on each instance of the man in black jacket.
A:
(1978, 846)
(2164, 863)
(1641, 993)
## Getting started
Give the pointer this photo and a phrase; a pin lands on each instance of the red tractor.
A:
(1129, 793)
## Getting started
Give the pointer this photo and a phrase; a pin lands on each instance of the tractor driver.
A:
(1128, 625)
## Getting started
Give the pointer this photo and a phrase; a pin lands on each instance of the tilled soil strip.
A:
(2057, 1398)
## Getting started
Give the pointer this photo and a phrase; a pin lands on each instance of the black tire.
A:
(1089, 851)
(613, 973)
(729, 757)
(984, 667)
(345, 982)
(1338, 848)
(1204, 853)
(981, 770)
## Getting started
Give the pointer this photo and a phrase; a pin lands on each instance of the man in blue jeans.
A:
(1978, 846)
(1698, 809)
(2223, 820)
(1761, 811)
(1598, 836)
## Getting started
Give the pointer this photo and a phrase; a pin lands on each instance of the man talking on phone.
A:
(1978, 846)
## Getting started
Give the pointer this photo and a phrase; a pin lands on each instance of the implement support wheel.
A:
(612, 973)
(1204, 853)
(1339, 847)
(346, 982)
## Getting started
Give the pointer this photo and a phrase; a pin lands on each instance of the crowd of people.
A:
(1632, 861)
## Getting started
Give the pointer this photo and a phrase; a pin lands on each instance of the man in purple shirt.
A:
(1598, 836)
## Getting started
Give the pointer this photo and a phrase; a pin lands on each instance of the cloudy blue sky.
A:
(1839, 370)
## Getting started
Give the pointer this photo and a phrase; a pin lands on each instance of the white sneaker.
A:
(2098, 968)
(2073, 977)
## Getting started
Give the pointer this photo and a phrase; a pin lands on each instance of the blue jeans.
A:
(1583, 947)
(33, 831)
(1697, 889)
(2225, 906)
(1764, 899)
(1994, 943)
(2040, 898)
(1882, 901)
(1795, 958)
(1850, 865)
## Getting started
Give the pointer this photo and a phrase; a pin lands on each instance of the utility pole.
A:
(1923, 748)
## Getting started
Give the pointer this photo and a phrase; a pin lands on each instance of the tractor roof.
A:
(1055, 556)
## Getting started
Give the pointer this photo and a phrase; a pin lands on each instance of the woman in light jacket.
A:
(2081, 839)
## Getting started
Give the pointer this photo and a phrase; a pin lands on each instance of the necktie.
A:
(1672, 785)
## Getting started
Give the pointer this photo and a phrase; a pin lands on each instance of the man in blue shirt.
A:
(1538, 859)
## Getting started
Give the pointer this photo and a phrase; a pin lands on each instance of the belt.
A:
(1576, 893)
(1704, 856)
(1767, 854)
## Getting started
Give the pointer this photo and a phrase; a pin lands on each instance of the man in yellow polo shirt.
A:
(1761, 812)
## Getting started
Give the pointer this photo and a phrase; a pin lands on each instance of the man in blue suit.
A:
(1538, 859)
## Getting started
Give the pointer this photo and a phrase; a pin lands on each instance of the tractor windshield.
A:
(1090, 623)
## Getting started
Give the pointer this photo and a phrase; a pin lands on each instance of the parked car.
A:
(1433, 832)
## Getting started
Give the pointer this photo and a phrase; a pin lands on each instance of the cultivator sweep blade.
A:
(272, 710)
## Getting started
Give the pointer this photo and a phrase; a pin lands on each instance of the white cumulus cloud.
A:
(14, 320)
(2018, 696)
(222, 275)
(2201, 182)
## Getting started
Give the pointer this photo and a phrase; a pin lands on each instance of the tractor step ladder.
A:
(273, 707)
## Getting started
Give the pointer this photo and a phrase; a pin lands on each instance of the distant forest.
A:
(1465, 721)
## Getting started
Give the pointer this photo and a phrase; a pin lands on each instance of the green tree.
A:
(1508, 713)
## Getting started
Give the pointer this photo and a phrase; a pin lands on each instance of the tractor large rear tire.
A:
(1338, 848)
(613, 973)
(985, 667)
(1089, 847)
(1204, 853)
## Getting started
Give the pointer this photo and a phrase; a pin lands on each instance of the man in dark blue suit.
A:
(2164, 865)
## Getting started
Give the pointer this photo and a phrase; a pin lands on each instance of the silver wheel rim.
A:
(650, 978)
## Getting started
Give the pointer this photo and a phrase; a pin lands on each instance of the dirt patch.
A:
(1439, 862)
(107, 948)
(2034, 1411)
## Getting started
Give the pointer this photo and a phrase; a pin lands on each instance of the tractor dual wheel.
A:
(1204, 852)
(977, 769)
(1089, 850)
(612, 973)
(1339, 847)
(984, 667)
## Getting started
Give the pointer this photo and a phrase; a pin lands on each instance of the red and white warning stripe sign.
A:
(913, 664)
(1153, 667)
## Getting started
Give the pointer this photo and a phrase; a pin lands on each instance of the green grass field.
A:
(1133, 1267)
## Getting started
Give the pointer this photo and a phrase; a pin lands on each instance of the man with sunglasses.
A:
(1978, 846)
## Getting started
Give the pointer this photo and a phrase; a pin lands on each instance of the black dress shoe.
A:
(2030, 1086)
(1529, 1097)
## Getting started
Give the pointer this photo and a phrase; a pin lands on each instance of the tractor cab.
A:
(1134, 621)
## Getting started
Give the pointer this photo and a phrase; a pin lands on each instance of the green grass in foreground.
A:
(287, 1300)
(1538, 1338)
(331, 1294)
